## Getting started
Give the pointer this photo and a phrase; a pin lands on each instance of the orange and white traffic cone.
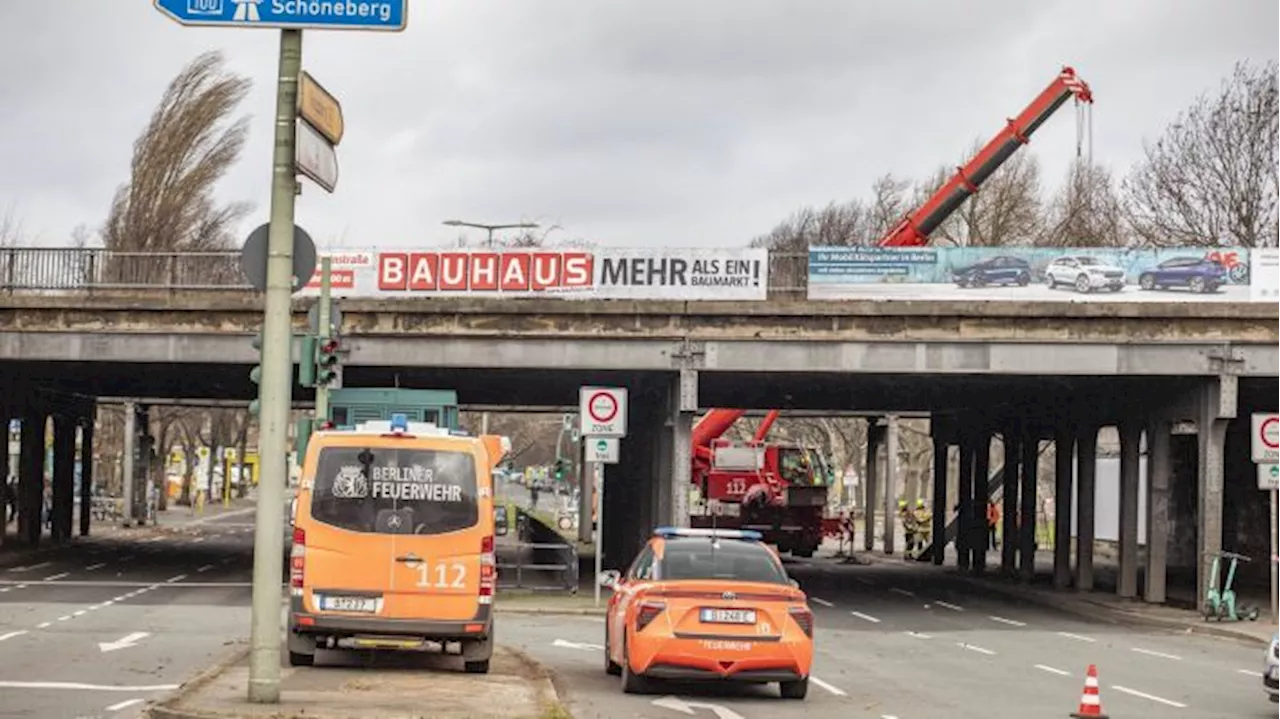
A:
(1090, 702)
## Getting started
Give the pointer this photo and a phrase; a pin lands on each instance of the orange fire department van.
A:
(393, 542)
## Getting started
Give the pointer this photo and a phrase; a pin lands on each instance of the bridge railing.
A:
(37, 269)
(74, 269)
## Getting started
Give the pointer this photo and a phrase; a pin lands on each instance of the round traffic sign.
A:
(602, 407)
(1270, 432)
(602, 446)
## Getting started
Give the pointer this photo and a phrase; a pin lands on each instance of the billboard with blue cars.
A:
(1028, 274)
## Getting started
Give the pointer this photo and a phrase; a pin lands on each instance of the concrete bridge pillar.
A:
(874, 434)
(891, 481)
(31, 476)
(1027, 513)
(1064, 452)
(940, 509)
(1217, 406)
(8, 503)
(130, 460)
(964, 533)
(1086, 500)
(683, 410)
(981, 493)
(1009, 510)
(1159, 471)
(63, 484)
(86, 469)
(1130, 449)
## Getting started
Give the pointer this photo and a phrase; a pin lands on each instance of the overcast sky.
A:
(655, 123)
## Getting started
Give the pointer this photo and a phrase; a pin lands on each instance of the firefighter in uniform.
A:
(908, 524)
(924, 526)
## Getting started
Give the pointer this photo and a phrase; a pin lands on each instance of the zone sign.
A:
(603, 411)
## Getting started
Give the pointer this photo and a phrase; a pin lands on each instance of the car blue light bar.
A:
(745, 534)
(399, 423)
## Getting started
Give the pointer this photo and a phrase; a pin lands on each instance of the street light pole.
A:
(491, 228)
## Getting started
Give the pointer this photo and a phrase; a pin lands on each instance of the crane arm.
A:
(714, 424)
(915, 228)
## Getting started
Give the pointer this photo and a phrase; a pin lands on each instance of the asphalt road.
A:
(899, 643)
(98, 628)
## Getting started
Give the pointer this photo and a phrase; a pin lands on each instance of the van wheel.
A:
(302, 650)
(480, 667)
(301, 660)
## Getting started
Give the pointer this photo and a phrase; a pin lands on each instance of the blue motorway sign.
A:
(292, 14)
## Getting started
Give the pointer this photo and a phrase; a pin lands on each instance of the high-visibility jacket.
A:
(993, 513)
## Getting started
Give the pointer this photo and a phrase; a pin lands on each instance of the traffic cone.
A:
(1090, 702)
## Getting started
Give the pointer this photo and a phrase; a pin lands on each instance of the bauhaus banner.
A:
(1036, 274)
(603, 273)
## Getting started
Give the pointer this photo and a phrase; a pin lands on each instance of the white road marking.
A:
(1136, 693)
(197, 540)
(124, 704)
(64, 617)
(56, 577)
(11, 635)
(178, 578)
(1248, 672)
(92, 567)
(1155, 654)
(89, 687)
(124, 642)
(948, 605)
(867, 617)
(4, 589)
(973, 648)
(44, 625)
(685, 707)
(1077, 637)
(576, 645)
(823, 602)
(903, 592)
(834, 690)
(919, 635)
(79, 612)
(29, 568)
(1051, 670)
(155, 539)
(205, 568)
(1002, 620)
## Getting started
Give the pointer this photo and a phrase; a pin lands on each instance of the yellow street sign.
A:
(320, 109)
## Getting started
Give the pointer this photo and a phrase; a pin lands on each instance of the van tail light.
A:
(297, 561)
(488, 570)
(647, 612)
(804, 618)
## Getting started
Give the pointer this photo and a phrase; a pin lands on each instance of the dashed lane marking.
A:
(41, 565)
(56, 577)
(178, 578)
(834, 690)
(11, 635)
(1052, 670)
(1150, 697)
(124, 704)
(974, 648)
(823, 602)
(1002, 620)
(1076, 637)
(919, 635)
(1250, 672)
(93, 567)
(949, 605)
(1151, 653)
(867, 617)
(207, 567)
(89, 687)
(44, 625)
(903, 592)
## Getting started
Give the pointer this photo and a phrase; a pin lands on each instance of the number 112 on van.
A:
(446, 576)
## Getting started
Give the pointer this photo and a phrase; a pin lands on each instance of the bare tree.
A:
(188, 145)
(1085, 212)
(1005, 210)
(11, 230)
(1211, 179)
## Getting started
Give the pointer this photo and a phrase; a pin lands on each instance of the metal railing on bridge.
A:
(76, 269)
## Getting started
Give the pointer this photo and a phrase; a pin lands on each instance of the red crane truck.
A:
(781, 489)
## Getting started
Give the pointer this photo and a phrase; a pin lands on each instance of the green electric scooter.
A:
(1220, 603)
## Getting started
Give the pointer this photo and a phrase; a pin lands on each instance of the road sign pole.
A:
(326, 314)
(277, 380)
(597, 474)
(1275, 558)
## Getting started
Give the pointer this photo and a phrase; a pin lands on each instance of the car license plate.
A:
(366, 605)
(728, 616)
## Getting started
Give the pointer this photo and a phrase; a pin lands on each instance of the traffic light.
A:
(327, 361)
(255, 375)
(307, 361)
(559, 470)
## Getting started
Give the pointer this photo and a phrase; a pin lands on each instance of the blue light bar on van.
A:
(399, 423)
(746, 534)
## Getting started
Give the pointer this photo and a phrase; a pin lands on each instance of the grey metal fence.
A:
(74, 269)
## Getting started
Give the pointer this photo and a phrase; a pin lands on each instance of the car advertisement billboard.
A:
(599, 273)
(1030, 274)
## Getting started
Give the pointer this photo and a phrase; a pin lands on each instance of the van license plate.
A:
(728, 616)
(367, 605)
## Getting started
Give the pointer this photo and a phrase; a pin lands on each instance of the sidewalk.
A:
(1101, 603)
(387, 686)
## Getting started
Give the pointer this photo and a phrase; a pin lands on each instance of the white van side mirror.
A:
(501, 522)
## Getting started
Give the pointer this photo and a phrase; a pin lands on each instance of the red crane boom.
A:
(915, 228)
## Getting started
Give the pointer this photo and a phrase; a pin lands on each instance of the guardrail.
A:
(74, 269)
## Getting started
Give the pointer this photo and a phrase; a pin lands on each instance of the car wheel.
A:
(297, 659)
(1147, 282)
(611, 667)
(1196, 284)
(1024, 280)
(632, 683)
(1082, 284)
(795, 690)
(1053, 284)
